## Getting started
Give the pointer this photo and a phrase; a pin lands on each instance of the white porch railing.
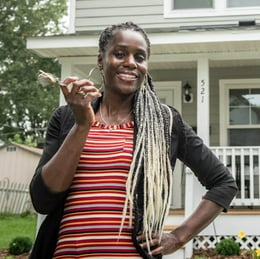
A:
(244, 165)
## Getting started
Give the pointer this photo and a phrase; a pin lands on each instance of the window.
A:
(10, 148)
(244, 112)
(242, 3)
(240, 112)
(244, 106)
(192, 4)
(210, 9)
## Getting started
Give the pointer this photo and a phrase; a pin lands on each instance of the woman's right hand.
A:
(59, 171)
(79, 95)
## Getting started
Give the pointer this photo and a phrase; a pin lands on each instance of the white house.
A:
(214, 47)
(18, 162)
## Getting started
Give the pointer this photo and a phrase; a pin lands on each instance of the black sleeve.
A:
(44, 200)
(209, 170)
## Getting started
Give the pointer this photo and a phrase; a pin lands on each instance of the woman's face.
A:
(124, 62)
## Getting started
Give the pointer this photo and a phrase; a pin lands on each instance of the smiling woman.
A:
(105, 177)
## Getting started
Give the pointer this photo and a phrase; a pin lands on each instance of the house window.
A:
(183, 11)
(10, 148)
(244, 117)
(239, 112)
(242, 3)
(244, 106)
(192, 4)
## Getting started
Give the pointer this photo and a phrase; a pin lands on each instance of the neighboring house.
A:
(18, 163)
(214, 46)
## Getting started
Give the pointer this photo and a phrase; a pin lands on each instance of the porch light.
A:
(187, 94)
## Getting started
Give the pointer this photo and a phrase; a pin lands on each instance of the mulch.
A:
(4, 254)
(210, 254)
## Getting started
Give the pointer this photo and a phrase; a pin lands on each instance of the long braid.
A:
(151, 152)
(150, 158)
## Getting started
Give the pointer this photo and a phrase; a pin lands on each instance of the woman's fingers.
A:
(91, 90)
(74, 88)
(65, 85)
(167, 245)
(77, 85)
(154, 242)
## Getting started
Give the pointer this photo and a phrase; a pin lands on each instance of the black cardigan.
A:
(184, 145)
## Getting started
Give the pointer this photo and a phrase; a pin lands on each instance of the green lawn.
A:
(12, 226)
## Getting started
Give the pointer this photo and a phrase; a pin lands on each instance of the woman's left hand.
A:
(167, 245)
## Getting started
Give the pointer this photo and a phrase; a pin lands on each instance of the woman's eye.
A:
(119, 54)
(140, 58)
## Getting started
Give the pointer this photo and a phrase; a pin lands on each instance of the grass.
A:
(12, 226)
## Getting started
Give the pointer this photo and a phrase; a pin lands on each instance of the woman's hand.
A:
(168, 244)
(79, 97)
(204, 214)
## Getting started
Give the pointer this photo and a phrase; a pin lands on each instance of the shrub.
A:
(20, 245)
(227, 247)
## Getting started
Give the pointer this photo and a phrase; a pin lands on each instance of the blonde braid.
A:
(151, 155)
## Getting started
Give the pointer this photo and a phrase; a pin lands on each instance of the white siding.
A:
(17, 165)
(97, 14)
(92, 15)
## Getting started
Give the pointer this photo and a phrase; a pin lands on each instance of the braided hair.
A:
(150, 158)
(109, 33)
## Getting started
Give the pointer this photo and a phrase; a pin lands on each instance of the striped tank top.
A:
(93, 210)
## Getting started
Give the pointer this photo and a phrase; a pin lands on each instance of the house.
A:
(205, 61)
(18, 162)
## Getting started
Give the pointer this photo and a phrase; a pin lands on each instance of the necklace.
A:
(108, 124)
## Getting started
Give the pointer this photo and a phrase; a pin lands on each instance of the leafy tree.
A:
(25, 106)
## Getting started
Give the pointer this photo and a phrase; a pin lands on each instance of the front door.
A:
(170, 93)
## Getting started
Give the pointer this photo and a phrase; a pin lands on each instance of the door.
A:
(170, 93)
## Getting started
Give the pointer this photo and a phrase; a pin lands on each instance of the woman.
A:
(105, 176)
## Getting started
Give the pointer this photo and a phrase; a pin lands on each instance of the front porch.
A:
(244, 164)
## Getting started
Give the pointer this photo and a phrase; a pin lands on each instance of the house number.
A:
(202, 90)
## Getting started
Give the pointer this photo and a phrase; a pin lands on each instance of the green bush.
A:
(227, 247)
(20, 245)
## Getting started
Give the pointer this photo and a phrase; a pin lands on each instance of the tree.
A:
(25, 106)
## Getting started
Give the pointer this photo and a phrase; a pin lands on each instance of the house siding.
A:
(17, 165)
(96, 14)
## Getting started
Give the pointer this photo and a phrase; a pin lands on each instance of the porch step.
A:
(232, 211)
(252, 211)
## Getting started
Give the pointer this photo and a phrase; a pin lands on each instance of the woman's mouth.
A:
(128, 77)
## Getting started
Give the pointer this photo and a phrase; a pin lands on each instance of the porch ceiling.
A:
(169, 50)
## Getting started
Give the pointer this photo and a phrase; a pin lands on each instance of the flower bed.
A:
(211, 254)
(5, 254)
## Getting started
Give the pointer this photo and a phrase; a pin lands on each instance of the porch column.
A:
(203, 99)
(194, 190)
(189, 206)
(66, 70)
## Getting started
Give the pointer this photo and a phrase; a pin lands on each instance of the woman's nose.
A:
(130, 61)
